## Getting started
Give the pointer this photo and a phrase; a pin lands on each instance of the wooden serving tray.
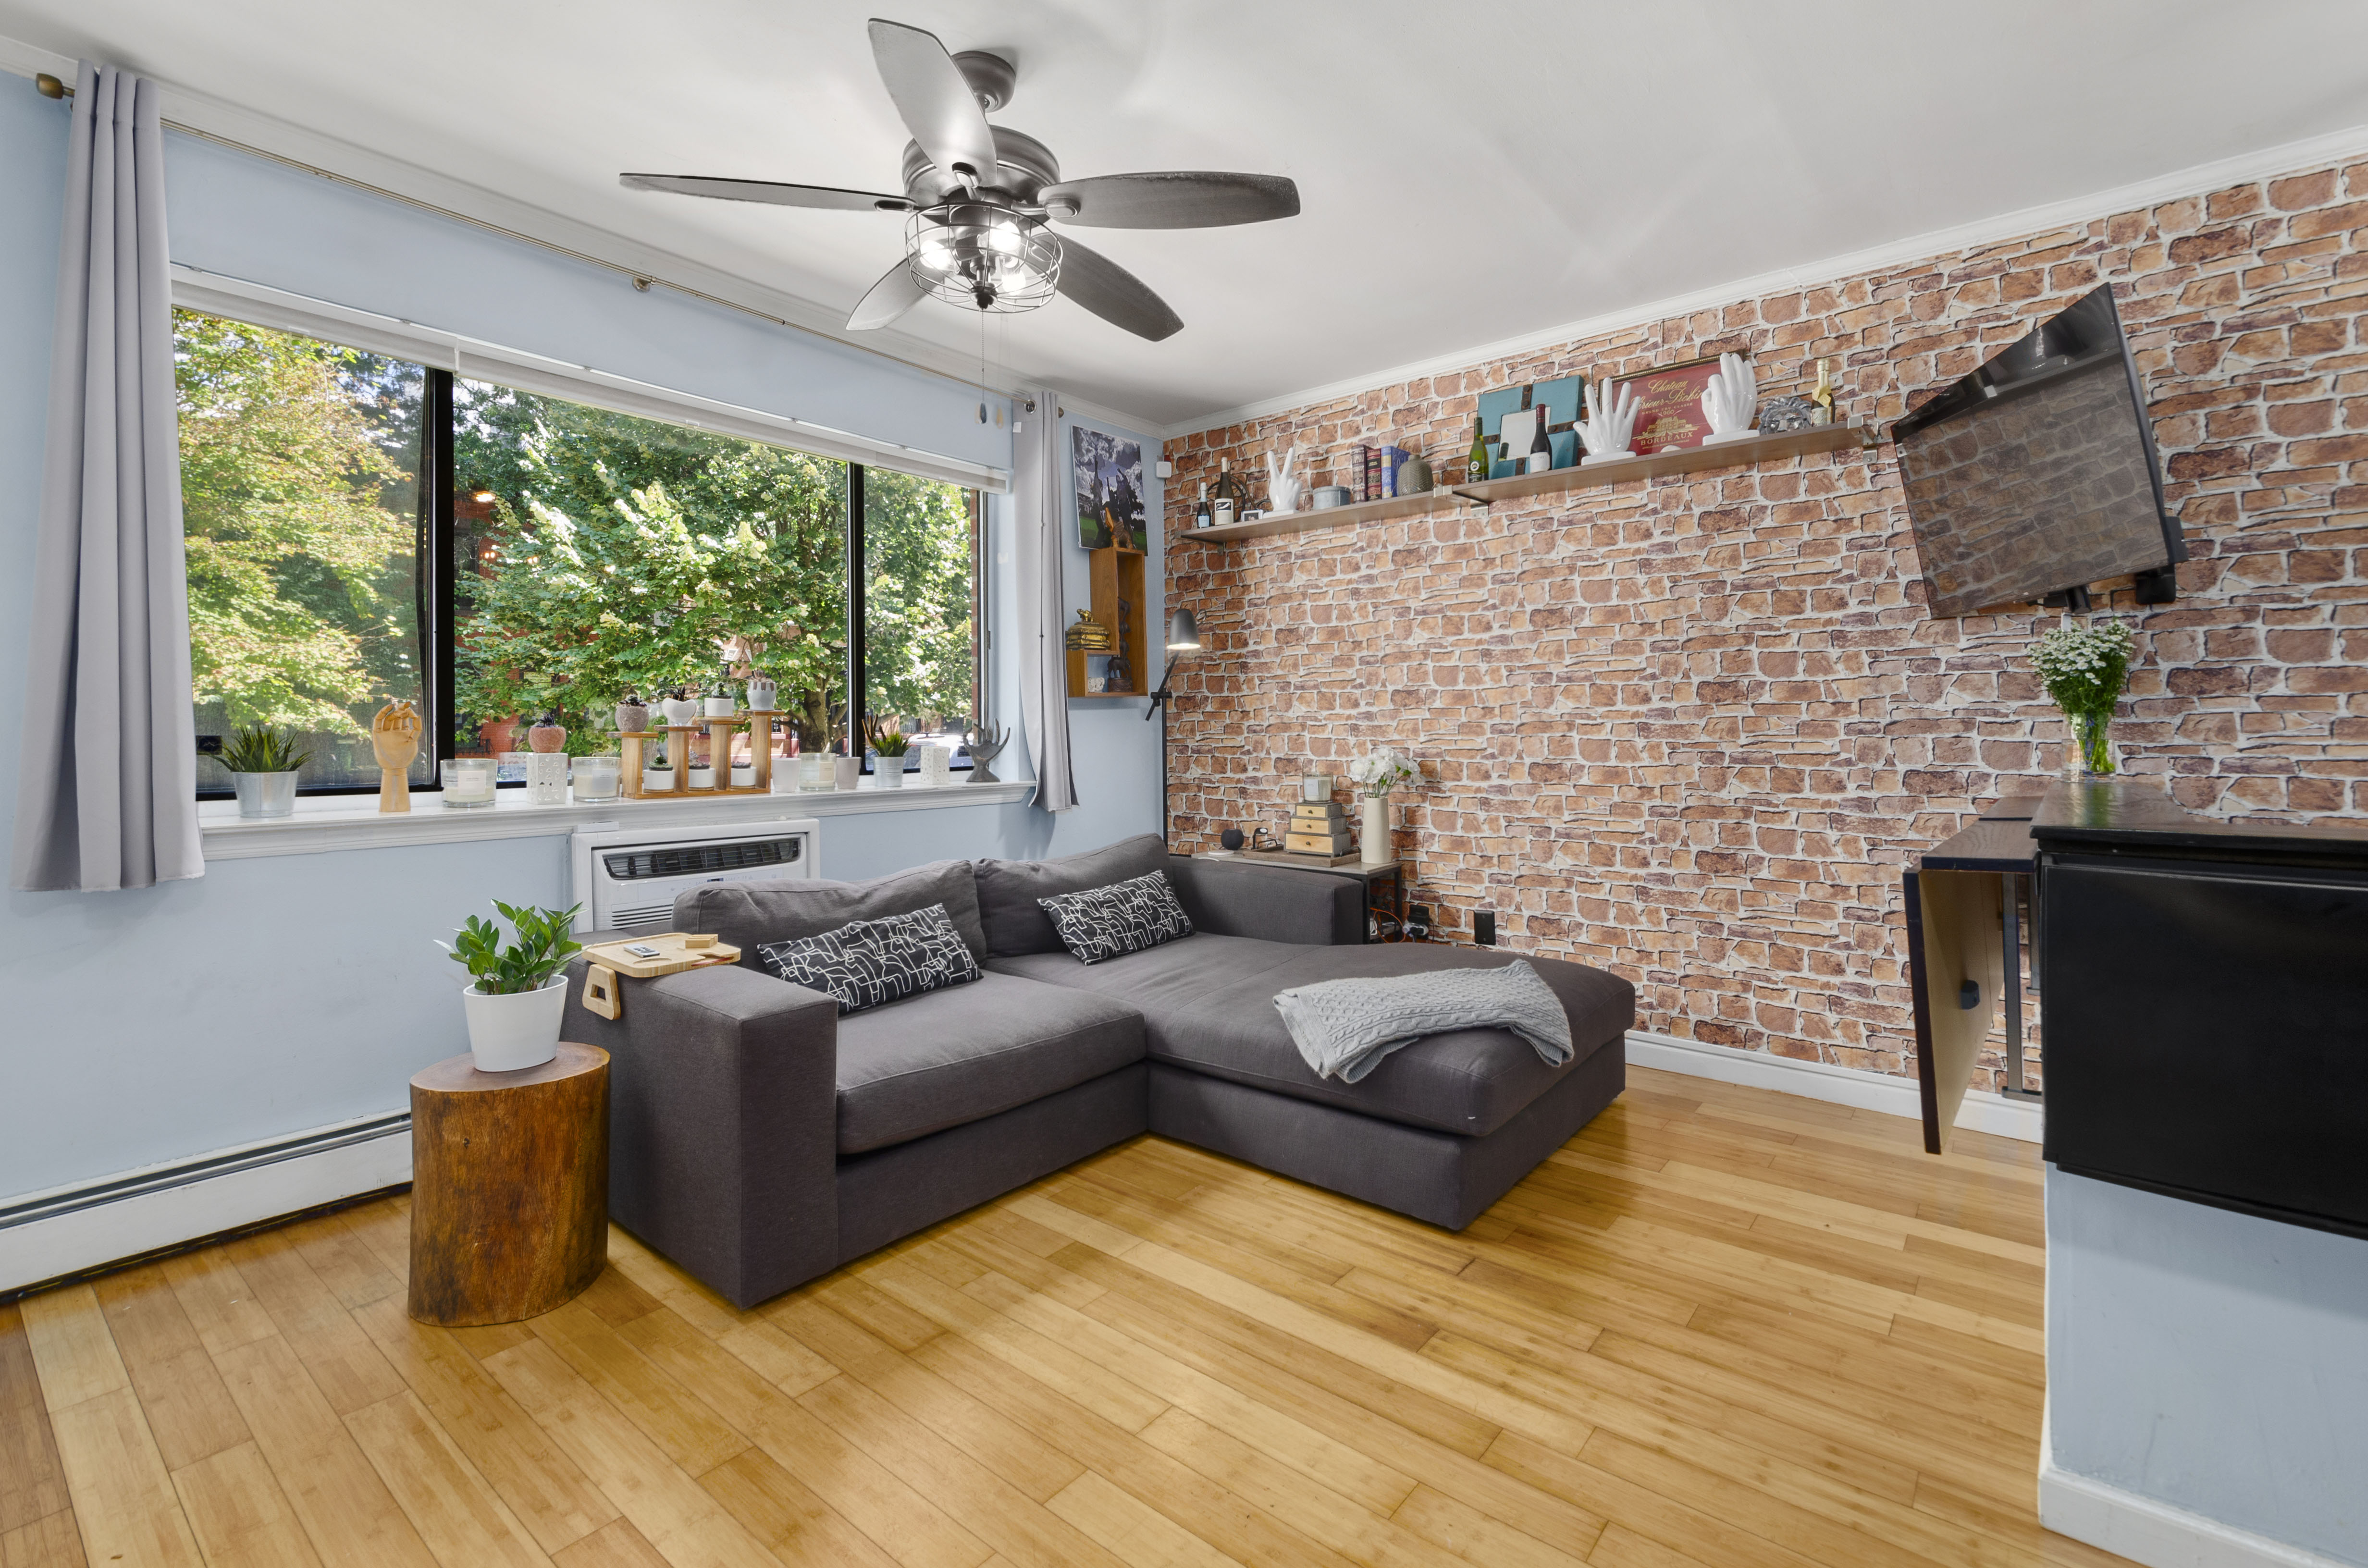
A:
(677, 952)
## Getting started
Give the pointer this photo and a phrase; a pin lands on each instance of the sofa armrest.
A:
(1273, 904)
(722, 1123)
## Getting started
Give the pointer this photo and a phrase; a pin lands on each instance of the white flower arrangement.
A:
(2085, 668)
(1381, 771)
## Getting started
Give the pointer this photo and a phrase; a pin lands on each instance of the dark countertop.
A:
(2135, 816)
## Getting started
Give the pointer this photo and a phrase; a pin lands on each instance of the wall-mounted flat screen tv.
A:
(2036, 475)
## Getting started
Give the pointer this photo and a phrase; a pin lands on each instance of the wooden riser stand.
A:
(719, 733)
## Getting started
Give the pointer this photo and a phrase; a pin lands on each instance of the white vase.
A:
(887, 773)
(518, 1031)
(1374, 845)
(266, 794)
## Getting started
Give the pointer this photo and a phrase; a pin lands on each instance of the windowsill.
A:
(326, 823)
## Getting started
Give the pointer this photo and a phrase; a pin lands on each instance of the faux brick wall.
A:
(1689, 730)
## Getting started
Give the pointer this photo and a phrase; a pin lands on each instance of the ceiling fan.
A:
(979, 197)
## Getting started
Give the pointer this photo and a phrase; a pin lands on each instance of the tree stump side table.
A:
(509, 1187)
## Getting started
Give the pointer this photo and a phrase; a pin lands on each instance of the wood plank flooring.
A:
(1722, 1328)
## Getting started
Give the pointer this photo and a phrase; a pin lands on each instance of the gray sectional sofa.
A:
(760, 1140)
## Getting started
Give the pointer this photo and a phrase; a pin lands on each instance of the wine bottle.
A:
(1475, 467)
(1225, 501)
(1540, 443)
(1200, 513)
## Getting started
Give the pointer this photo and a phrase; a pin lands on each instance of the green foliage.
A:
(2085, 668)
(884, 739)
(264, 748)
(916, 599)
(542, 949)
(295, 479)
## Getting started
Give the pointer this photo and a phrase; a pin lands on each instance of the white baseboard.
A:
(1855, 1086)
(47, 1235)
(2155, 1534)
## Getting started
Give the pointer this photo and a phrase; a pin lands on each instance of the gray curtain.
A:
(108, 796)
(1039, 475)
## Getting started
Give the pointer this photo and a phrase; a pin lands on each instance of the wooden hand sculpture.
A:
(394, 736)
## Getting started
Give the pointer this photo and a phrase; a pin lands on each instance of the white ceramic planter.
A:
(266, 794)
(846, 772)
(681, 710)
(520, 1030)
(658, 778)
(702, 777)
(721, 708)
(887, 773)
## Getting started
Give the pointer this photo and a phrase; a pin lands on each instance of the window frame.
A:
(437, 586)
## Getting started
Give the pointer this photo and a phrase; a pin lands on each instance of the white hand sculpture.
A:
(1610, 432)
(1284, 486)
(1731, 398)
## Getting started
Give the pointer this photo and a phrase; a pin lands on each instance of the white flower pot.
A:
(721, 708)
(702, 777)
(1373, 845)
(520, 1030)
(656, 780)
(887, 773)
(681, 711)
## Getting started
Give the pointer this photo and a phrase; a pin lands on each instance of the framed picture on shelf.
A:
(1108, 479)
(1668, 403)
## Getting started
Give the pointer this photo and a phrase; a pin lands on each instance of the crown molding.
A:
(252, 132)
(2286, 157)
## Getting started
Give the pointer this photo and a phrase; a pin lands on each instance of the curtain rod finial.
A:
(50, 87)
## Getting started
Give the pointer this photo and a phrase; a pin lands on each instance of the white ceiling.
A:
(1468, 173)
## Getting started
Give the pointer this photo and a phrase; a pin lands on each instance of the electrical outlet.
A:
(1484, 928)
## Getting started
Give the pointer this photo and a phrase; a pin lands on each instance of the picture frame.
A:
(1106, 477)
(1668, 403)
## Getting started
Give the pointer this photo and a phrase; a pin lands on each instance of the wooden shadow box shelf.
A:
(1689, 459)
(1116, 601)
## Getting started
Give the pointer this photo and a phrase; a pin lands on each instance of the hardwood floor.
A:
(1720, 1327)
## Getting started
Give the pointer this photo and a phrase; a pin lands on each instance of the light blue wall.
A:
(2210, 1360)
(275, 995)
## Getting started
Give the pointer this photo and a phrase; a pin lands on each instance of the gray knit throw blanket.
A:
(1344, 1028)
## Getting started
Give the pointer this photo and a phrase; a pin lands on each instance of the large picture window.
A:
(361, 528)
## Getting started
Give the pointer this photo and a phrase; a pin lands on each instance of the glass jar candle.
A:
(596, 777)
(468, 783)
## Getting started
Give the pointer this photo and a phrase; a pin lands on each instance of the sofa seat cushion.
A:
(1208, 1004)
(943, 1058)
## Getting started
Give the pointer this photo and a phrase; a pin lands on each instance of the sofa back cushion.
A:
(1007, 891)
(750, 915)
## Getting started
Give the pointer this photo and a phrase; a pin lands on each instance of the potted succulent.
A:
(633, 714)
(518, 989)
(719, 699)
(888, 747)
(761, 692)
(547, 734)
(680, 707)
(264, 760)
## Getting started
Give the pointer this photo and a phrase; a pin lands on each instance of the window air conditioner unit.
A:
(626, 878)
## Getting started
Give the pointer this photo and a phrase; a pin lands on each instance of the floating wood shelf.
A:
(1687, 460)
(1327, 517)
(1115, 599)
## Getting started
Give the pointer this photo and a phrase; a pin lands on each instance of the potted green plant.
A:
(888, 747)
(2085, 668)
(264, 760)
(517, 990)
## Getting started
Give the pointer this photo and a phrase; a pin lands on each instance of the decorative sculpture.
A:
(1780, 416)
(394, 737)
(1608, 432)
(1730, 399)
(1286, 487)
(984, 745)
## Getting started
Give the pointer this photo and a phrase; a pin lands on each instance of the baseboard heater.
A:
(71, 1230)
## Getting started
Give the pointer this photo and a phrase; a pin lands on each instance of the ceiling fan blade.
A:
(1179, 199)
(897, 292)
(936, 104)
(768, 190)
(1114, 293)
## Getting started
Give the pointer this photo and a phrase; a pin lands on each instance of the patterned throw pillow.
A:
(1124, 917)
(867, 963)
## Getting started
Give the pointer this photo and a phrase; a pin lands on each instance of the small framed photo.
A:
(1668, 403)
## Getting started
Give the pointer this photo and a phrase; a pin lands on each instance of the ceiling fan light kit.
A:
(979, 197)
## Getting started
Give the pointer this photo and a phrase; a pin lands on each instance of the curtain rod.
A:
(50, 87)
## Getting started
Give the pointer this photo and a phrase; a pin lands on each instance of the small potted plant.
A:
(761, 692)
(547, 734)
(720, 704)
(888, 747)
(518, 989)
(1376, 774)
(2085, 668)
(264, 760)
(633, 714)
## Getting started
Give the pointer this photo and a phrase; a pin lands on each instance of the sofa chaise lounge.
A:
(760, 1140)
